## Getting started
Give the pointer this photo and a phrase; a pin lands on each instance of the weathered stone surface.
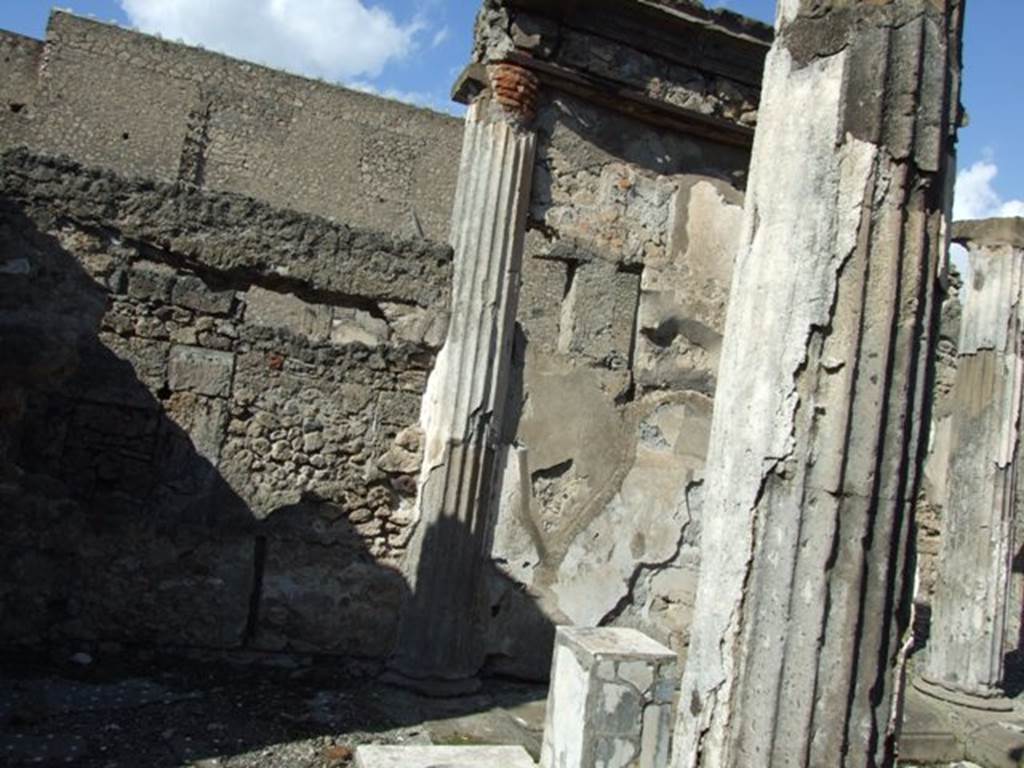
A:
(606, 704)
(354, 326)
(21, 57)
(973, 598)
(598, 571)
(631, 232)
(629, 248)
(203, 371)
(272, 309)
(813, 466)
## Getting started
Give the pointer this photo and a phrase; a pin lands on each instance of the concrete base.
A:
(442, 757)
(994, 703)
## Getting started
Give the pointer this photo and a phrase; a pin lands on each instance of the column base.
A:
(996, 702)
(433, 687)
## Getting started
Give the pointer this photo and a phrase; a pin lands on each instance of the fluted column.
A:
(964, 660)
(805, 588)
(439, 646)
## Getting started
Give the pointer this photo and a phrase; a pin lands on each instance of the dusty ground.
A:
(114, 713)
(146, 710)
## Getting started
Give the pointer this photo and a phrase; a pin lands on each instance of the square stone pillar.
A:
(610, 701)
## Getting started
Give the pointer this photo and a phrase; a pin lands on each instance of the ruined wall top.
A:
(990, 232)
(674, 64)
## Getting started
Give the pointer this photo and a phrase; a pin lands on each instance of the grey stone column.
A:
(964, 659)
(439, 649)
(805, 589)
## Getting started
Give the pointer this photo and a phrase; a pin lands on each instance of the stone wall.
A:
(114, 98)
(19, 62)
(629, 250)
(207, 411)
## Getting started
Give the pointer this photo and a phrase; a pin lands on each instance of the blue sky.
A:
(413, 49)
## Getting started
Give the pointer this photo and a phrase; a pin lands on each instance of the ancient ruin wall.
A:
(205, 412)
(141, 106)
(631, 233)
(628, 259)
(19, 62)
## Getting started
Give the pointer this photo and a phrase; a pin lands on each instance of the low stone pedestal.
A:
(442, 757)
(610, 700)
(996, 702)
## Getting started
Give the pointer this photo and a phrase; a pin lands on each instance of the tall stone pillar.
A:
(964, 661)
(805, 589)
(440, 648)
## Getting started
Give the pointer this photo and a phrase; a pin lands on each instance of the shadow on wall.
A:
(119, 526)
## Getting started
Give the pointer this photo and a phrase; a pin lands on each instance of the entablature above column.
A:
(670, 63)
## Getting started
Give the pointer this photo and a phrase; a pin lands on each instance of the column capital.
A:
(988, 233)
(514, 89)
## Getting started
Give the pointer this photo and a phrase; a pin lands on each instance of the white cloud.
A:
(440, 37)
(334, 39)
(977, 198)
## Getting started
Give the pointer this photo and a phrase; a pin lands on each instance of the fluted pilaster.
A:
(440, 639)
(804, 595)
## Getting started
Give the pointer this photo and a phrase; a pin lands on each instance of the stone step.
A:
(442, 757)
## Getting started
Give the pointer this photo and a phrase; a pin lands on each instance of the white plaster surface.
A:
(567, 705)
(442, 757)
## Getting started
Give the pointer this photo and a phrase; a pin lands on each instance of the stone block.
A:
(283, 310)
(149, 281)
(354, 326)
(610, 701)
(442, 757)
(191, 292)
(597, 315)
(203, 371)
(327, 597)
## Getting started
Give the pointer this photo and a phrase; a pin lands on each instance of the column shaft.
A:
(816, 443)
(969, 613)
(439, 642)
